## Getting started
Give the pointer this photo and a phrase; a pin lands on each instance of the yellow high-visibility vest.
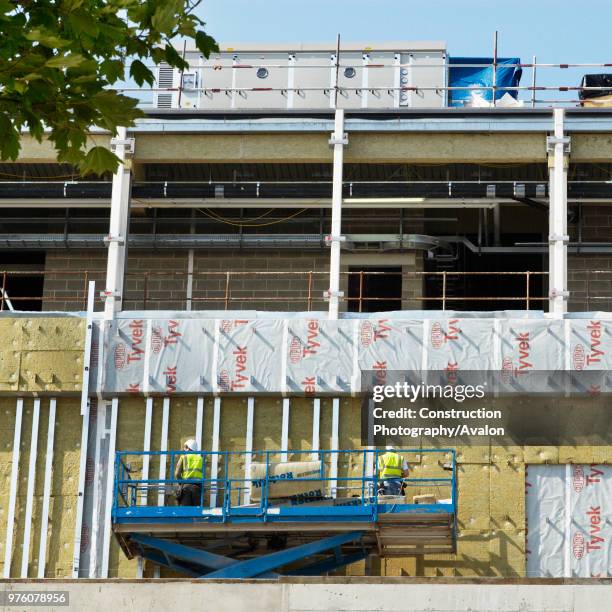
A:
(192, 466)
(390, 466)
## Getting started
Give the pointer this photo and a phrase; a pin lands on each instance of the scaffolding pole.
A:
(338, 140)
(558, 148)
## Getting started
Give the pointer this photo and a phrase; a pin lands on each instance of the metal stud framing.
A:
(249, 445)
(10, 522)
(285, 429)
(44, 519)
(316, 425)
(333, 470)
(27, 531)
(214, 464)
(146, 462)
(112, 433)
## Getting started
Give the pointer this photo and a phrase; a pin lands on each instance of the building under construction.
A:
(283, 219)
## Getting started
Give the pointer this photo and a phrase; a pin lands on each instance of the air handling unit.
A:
(308, 76)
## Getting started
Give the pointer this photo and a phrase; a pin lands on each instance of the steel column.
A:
(338, 140)
(119, 225)
(558, 161)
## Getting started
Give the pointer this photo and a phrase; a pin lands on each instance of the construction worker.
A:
(189, 467)
(392, 467)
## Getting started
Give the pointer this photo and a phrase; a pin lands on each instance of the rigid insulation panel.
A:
(569, 520)
(7, 432)
(64, 489)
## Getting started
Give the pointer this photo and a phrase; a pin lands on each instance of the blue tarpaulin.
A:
(507, 76)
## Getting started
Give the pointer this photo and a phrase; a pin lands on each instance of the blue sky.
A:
(557, 31)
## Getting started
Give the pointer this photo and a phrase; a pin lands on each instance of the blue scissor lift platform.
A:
(277, 517)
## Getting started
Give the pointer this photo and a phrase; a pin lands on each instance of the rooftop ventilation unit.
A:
(308, 77)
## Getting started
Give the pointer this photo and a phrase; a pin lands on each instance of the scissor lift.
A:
(225, 536)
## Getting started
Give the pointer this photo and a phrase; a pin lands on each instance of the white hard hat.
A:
(191, 444)
(390, 447)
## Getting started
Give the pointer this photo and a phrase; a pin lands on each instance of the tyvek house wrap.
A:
(569, 520)
(317, 356)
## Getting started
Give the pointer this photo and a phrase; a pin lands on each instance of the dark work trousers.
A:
(191, 494)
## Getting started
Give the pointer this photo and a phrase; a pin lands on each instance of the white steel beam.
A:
(285, 429)
(338, 140)
(333, 470)
(316, 425)
(44, 519)
(118, 226)
(91, 291)
(146, 462)
(558, 147)
(110, 486)
(214, 462)
(27, 530)
(10, 522)
(249, 448)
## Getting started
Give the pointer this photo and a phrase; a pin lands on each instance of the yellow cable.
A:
(208, 213)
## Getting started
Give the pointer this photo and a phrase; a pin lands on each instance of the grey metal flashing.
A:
(411, 120)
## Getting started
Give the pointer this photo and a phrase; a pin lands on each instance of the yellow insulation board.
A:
(42, 354)
(490, 478)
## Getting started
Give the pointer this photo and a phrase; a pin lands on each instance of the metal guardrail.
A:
(527, 93)
(224, 493)
(142, 291)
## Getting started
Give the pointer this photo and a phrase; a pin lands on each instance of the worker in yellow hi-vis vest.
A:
(189, 467)
(392, 467)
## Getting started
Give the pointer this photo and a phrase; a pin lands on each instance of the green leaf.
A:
(46, 39)
(165, 17)
(83, 23)
(9, 138)
(65, 61)
(6, 7)
(99, 160)
(174, 58)
(205, 43)
(141, 74)
(113, 69)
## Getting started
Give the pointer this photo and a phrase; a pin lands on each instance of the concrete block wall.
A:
(158, 280)
(589, 277)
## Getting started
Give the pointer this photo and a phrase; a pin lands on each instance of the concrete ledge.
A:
(322, 594)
